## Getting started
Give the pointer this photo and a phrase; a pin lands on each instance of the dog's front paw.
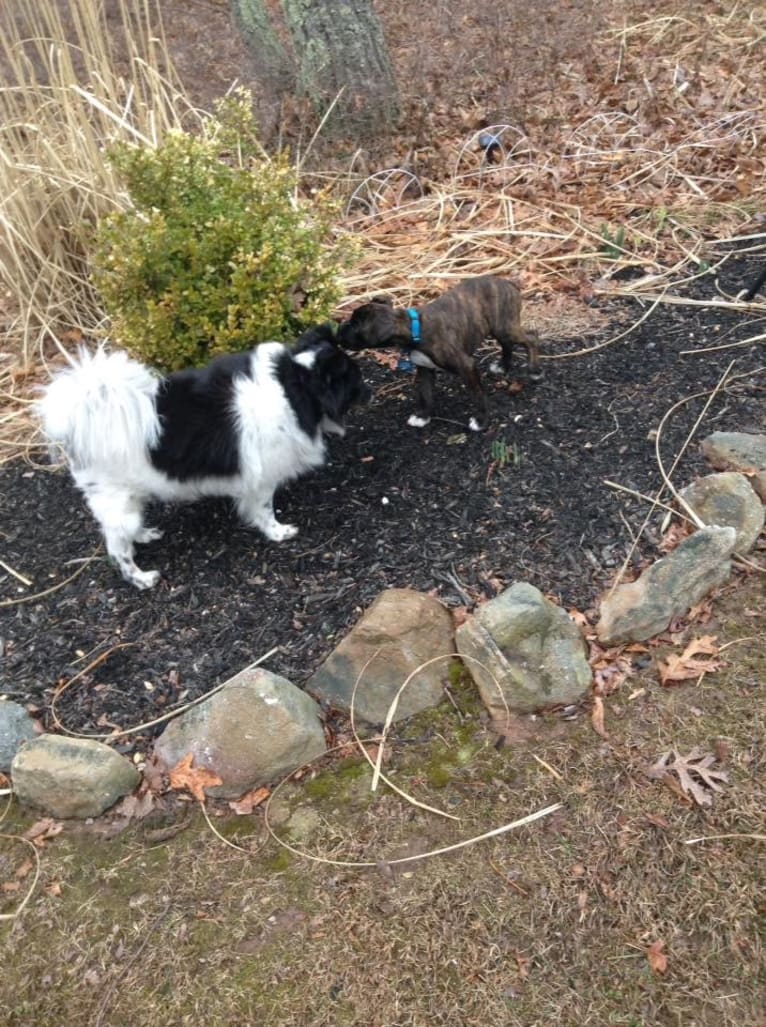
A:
(475, 425)
(416, 421)
(149, 535)
(145, 579)
(281, 532)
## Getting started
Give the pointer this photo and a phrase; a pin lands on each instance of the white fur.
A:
(416, 421)
(102, 413)
(420, 359)
(101, 410)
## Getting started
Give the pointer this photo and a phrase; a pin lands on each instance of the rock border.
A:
(522, 651)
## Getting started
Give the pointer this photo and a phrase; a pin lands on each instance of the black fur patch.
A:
(199, 437)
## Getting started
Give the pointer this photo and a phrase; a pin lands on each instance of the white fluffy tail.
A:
(102, 411)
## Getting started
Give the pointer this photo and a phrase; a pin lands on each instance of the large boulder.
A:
(735, 450)
(16, 726)
(727, 499)
(669, 588)
(399, 632)
(739, 451)
(524, 646)
(256, 729)
(71, 777)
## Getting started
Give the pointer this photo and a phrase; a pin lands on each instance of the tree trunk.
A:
(339, 45)
(273, 65)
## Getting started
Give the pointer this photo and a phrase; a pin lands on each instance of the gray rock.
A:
(728, 499)
(406, 629)
(16, 726)
(669, 588)
(258, 728)
(532, 647)
(758, 483)
(71, 777)
(735, 450)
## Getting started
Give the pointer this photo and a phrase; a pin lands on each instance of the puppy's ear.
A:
(386, 300)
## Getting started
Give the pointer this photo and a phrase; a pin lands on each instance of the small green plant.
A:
(614, 243)
(502, 454)
(217, 251)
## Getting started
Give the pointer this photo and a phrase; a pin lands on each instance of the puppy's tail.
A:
(101, 411)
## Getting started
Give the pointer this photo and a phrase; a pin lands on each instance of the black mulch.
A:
(395, 507)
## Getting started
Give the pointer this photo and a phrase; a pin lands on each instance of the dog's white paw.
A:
(149, 535)
(474, 425)
(496, 368)
(416, 421)
(145, 579)
(281, 532)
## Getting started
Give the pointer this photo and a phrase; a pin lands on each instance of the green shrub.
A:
(216, 252)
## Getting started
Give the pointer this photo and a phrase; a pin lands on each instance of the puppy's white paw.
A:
(149, 534)
(474, 425)
(281, 532)
(416, 421)
(495, 368)
(145, 579)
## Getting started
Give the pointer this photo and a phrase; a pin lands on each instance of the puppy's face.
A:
(373, 325)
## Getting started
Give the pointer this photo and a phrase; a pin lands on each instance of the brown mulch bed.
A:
(454, 522)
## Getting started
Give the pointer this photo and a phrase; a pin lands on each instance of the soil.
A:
(435, 509)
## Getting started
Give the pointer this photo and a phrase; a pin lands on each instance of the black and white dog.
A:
(240, 427)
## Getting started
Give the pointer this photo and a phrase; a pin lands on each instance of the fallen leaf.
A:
(694, 774)
(41, 832)
(687, 665)
(658, 961)
(657, 821)
(459, 615)
(194, 780)
(523, 963)
(580, 619)
(390, 360)
(597, 716)
(54, 889)
(8, 887)
(138, 805)
(154, 774)
(247, 803)
(674, 536)
(24, 869)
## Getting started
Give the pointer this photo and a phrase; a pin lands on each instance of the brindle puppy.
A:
(450, 329)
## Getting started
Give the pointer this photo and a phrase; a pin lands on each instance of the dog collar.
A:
(414, 325)
(405, 364)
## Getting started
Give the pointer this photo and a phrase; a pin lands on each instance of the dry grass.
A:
(62, 102)
(550, 924)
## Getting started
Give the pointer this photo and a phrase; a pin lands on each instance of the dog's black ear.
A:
(339, 382)
(314, 337)
(383, 299)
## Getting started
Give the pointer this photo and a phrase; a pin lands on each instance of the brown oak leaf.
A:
(193, 779)
(687, 665)
(694, 773)
(247, 802)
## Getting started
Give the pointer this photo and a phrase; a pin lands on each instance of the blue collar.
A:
(414, 325)
(405, 364)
